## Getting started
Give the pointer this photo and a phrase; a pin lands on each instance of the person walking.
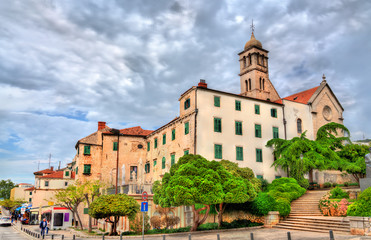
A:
(43, 226)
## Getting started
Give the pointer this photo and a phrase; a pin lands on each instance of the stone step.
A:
(322, 223)
(298, 228)
(340, 219)
(320, 227)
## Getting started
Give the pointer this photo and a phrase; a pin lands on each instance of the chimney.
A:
(202, 83)
(51, 168)
(101, 125)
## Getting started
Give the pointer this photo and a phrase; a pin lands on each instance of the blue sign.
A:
(144, 207)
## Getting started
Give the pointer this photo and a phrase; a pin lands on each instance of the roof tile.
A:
(302, 97)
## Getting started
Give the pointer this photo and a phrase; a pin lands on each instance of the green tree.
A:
(9, 204)
(70, 198)
(114, 206)
(352, 160)
(5, 187)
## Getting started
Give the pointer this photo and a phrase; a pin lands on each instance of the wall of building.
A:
(55, 183)
(294, 111)
(43, 197)
(206, 137)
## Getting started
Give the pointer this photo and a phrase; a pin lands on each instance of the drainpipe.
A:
(116, 131)
(284, 121)
(195, 134)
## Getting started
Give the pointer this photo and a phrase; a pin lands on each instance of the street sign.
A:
(144, 196)
(144, 207)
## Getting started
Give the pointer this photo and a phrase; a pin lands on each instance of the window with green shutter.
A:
(187, 103)
(86, 210)
(87, 168)
(172, 159)
(114, 146)
(274, 112)
(173, 134)
(155, 143)
(275, 132)
(239, 153)
(216, 101)
(148, 146)
(186, 128)
(258, 130)
(154, 162)
(163, 139)
(238, 105)
(67, 174)
(77, 170)
(186, 152)
(163, 163)
(46, 183)
(257, 109)
(259, 176)
(217, 125)
(277, 177)
(86, 150)
(259, 155)
(238, 128)
(218, 154)
(147, 167)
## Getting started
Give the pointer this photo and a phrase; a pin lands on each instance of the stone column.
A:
(359, 225)
(271, 219)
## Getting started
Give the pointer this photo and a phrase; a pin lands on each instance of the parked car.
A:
(5, 221)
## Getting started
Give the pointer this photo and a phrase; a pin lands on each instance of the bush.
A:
(338, 193)
(346, 184)
(239, 223)
(287, 188)
(283, 207)
(334, 184)
(361, 207)
(264, 184)
(207, 226)
(136, 225)
(304, 183)
(327, 185)
(262, 204)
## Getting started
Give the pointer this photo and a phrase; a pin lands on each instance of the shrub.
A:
(346, 184)
(304, 183)
(207, 226)
(262, 204)
(327, 185)
(136, 225)
(287, 188)
(334, 184)
(338, 193)
(239, 223)
(283, 207)
(361, 207)
(264, 184)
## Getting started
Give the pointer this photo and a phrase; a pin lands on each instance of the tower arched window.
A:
(262, 60)
(299, 125)
(257, 59)
(244, 61)
(260, 83)
(249, 59)
(263, 84)
(249, 84)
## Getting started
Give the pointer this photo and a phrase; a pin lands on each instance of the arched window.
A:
(299, 126)
(249, 59)
(262, 60)
(249, 84)
(244, 61)
(260, 83)
(257, 59)
(263, 83)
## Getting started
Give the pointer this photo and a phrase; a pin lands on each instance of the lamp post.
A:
(117, 132)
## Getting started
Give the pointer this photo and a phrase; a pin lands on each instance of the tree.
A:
(352, 160)
(9, 204)
(70, 198)
(90, 191)
(107, 206)
(5, 187)
(195, 180)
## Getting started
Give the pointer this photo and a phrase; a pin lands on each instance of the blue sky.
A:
(64, 65)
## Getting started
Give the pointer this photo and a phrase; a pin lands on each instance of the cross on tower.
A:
(252, 26)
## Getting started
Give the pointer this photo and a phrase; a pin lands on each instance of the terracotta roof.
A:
(30, 189)
(58, 175)
(302, 97)
(24, 184)
(134, 131)
(278, 101)
(45, 171)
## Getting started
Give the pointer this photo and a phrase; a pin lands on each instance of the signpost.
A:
(144, 208)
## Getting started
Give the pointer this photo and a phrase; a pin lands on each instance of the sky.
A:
(65, 65)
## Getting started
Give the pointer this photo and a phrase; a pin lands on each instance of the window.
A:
(186, 128)
(257, 109)
(299, 123)
(67, 173)
(238, 128)
(239, 153)
(238, 105)
(30, 192)
(187, 103)
(65, 184)
(217, 125)
(172, 159)
(260, 80)
(163, 162)
(277, 177)
(216, 101)
(249, 82)
(86, 150)
(87, 168)
(218, 151)
(274, 112)
(259, 155)
(77, 170)
(173, 134)
(46, 183)
(115, 146)
(86, 210)
(164, 139)
(186, 152)
(275, 132)
(258, 130)
(148, 146)
(259, 176)
(133, 172)
(30, 200)
(155, 143)
(147, 167)
(244, 61)
(154, 162)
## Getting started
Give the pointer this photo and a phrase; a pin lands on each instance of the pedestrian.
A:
(43, 226)
(47, 227)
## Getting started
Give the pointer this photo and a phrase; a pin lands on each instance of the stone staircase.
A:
(306, 216)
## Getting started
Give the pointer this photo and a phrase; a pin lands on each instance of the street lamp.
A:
(117, 132)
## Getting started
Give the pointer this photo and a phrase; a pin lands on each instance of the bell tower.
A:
(254, 75)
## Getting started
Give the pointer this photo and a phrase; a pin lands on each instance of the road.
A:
(8, 233)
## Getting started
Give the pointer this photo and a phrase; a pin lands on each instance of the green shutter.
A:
(77, 170)
(163, 162)
(259, 155)
(187, 103)
(155, 143)
(86, 150)
(277, 177)
(258, 130)
(148, 146)
(238, 128)
(154, 162)
(259, 176)
(217, 125)
(186, 152)
(173, 134)
(216, 101)
(147, 167)
(67, 173)
(218, 154)
(257, 109)
(86, 210)
(115, 146)
(172, 159)
(239, 153)
(163, 139)
(238, 105)
(186, 128)
(87, 169)
(275, 132)
(274, 112)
